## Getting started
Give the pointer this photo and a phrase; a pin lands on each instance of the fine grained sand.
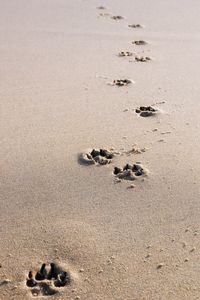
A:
(57, 58)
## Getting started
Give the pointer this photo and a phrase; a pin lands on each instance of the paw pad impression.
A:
(47, 280)
(146, 111)
(130, 172)
(96, 156)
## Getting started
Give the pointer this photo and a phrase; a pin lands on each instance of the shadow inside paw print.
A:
(47, 280)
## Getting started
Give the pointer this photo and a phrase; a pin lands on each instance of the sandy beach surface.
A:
(118, 234)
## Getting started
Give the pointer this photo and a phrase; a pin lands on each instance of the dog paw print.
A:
(135, 26)
(130, 172)
(139, 43)
(125, 53)
(47, 280)
(142, 58)
(96, 157)
(122, 82)
(117, 18)
(146, 111)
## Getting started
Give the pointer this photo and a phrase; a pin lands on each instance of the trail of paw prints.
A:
(104, 13)
(114, 17)
(102, 157)
(141, 58)
(136, 57)
(48, 280)
(118, 18)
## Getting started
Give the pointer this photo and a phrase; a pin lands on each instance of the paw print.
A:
(47, 280)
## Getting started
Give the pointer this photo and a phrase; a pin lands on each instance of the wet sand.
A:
(120, 232)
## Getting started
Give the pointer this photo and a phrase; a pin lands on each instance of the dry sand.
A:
(118, 239)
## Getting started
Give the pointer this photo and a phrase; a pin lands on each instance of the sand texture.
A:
(99, 154)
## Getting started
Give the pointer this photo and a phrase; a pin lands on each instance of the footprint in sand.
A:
(135, 26)
(142, 58)
(121, 82)
(130, 172)
(139, 42)
(125, 53)
(48, 280)
(117, 18)
(96, 156)
(146, 111)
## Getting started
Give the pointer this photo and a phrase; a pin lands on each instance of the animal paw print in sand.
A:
(117, 18)
(48, 280)
(96, 156)
(130, 172)
(143, 58)
(139, 43)
(125, 53)
(135, 26)
(146, 111)
(122, 82)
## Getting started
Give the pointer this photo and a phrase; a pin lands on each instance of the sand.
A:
(117, 237)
